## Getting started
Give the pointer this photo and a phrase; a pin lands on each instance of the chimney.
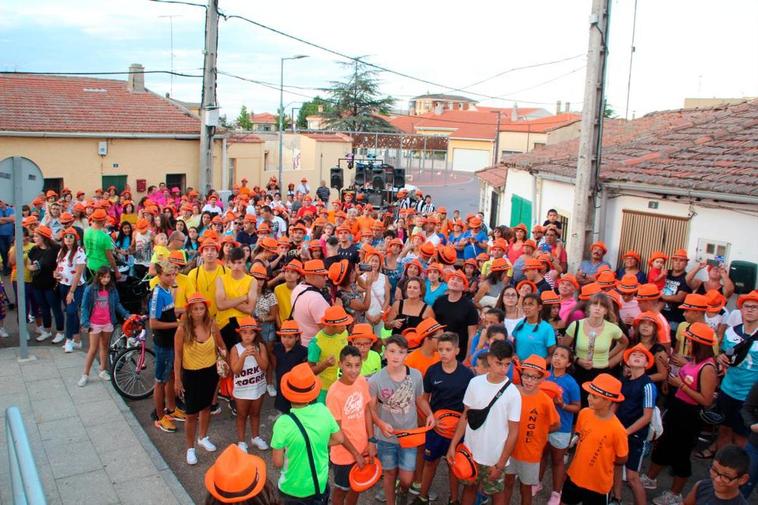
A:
(514, 112)
(568, 106)
(136, 82)
(557, 107)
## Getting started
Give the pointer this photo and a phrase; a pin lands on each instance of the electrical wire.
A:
(168, 72)
(179, 2)
(525, 67)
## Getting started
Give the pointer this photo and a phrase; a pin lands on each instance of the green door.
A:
(114, 180)
(521, 211)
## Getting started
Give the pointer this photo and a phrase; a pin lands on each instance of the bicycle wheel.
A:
(130, 380)
(116, 345)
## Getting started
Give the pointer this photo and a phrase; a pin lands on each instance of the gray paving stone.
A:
(147, 491)
(127, 463)
(53, 409)
(46, 389)
(39, 370)
(64, 431)
(114, 435)
(9, 369)
(98, 412)
(72, 459)
(92, 488)
(92, 392)
(13, 384)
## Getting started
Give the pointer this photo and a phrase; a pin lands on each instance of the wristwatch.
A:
(372, 440)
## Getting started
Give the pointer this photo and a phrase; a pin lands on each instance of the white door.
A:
(470, 160)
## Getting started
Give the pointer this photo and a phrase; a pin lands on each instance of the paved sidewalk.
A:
(88, 447)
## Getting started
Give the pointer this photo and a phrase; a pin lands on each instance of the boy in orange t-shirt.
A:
(425, 356)
(602, 444)
(538, 418)
(347, 400)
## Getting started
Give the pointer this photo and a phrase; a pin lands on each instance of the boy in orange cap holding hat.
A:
(445, 384)
(363, 337)
(602, 444)
(538, 418)
(635, 413)
(297, 483)
(324, 348)
(348, 399)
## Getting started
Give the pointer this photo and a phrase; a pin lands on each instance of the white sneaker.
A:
(104, 375)
(82, 381)
(668, 498)
(191, 457)
(3, 332)
(206, 444)
(78, 345)
(30, 319)
(242, 445)
(648, 483)
(44, 335)
(555, 498)
(68, 346)
(536, 489)
(259, 443)
(59, 337)
(271, 390)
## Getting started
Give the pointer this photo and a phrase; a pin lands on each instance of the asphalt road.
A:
(222, 432)
(453, 190)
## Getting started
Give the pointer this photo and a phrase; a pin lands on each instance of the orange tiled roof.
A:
(543, 124)
(712, 149)
(50, 103)
(263, 118)
(461, 124)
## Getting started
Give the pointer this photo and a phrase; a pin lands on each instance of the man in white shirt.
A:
(491, 443)
(303, 187)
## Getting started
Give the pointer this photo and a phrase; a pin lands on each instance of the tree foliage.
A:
(311, 108)
(357, 102)
(608, 111)
(244, 121)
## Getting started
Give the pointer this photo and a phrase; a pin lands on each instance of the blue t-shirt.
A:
(533, 339)
(447, 389)
(570, 395)
(6, 229)
(590, 268)
(431, 296)
(454, 241)
(471, 251)
(739, 379)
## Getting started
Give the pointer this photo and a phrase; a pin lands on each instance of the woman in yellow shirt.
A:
(196, 344)
(235, 297)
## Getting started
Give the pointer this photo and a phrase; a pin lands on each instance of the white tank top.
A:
(250, 384)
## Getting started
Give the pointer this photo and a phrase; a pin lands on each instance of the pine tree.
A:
(357, 104)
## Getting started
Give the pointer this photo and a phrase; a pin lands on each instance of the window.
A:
(521, 211)
(54, 183)
(119, 181)
(176, 180)
(232, 173)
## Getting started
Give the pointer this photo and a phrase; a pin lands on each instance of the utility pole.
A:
(586, 187)
(208, 105)
(496, 157)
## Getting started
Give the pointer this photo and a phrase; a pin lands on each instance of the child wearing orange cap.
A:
(602, 444)
(635, 413)
(538, 418)
(324, 348)
(285, 355)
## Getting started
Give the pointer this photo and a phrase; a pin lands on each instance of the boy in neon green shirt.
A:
(324, 349)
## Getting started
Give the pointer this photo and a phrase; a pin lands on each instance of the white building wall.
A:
(519, 183)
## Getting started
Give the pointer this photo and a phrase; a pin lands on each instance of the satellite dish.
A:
(31, 179)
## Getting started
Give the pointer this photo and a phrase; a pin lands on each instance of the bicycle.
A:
(133, 369)
(134, 292)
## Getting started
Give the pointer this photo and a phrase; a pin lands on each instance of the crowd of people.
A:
(394, 339)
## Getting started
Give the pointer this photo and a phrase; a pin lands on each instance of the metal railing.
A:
(25, 482)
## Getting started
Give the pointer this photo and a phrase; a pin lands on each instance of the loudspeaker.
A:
(377, 178)
(398, 179)
(336, 178)
(375, 198)
(360, 174)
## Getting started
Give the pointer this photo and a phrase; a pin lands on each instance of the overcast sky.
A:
(685, 48)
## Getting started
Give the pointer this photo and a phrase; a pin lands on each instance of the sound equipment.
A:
(398, 179)
(336, 177)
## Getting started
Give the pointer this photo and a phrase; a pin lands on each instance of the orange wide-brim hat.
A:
(235, 476)
(300, 385)
(362, 479)
(464, 466)
(446, 422)
(412, 438)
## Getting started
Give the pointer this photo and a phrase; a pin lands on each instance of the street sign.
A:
(31, 180)
(20, 182)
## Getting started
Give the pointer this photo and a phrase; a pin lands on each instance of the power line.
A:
(126, 72)
(265, 84)
(549, 80)
(525, 67)
(178, 2)
(369, 64)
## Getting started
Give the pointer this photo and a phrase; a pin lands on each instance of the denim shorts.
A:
(393, 456)
(559, 440)
(164, 363)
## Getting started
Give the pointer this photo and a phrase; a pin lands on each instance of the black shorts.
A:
(637, 446)
(436, 446)
(229, 334)
(342, 476)
(730, 408)
(573, 495)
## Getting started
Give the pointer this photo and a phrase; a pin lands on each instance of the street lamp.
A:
(281, 116)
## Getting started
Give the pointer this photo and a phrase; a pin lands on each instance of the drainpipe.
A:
(224, 164)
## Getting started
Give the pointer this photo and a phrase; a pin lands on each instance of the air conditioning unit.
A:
(102, 148)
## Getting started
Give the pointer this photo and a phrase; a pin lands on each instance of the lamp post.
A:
(281, 115)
